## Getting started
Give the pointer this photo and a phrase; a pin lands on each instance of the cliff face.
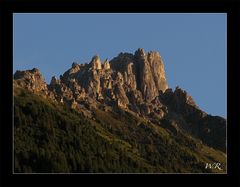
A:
(143, 72)
(132, 82)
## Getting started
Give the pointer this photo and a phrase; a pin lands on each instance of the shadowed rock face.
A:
(133, 82)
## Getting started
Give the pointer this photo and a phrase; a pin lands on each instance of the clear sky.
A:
(193, 47)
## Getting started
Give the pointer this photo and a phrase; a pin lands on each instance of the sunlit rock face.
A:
(128, 80)
(31, 80)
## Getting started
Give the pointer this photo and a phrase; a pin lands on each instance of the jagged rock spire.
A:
(96, 62)
(106, 64)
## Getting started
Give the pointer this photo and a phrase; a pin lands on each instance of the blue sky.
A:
(193, 47)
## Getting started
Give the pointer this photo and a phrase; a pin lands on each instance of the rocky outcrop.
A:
(31, 80)
(71, 73)
(142, 71)
(151, 75)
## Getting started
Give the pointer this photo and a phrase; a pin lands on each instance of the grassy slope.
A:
(48, 137)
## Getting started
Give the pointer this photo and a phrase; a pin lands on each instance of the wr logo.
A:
(215, 165)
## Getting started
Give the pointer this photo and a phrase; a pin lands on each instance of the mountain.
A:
(116, 116)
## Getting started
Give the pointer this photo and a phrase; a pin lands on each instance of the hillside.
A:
(117, 116)
(52, 138)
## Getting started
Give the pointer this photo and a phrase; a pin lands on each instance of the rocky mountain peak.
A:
(144, 71)
(131, 82)
(129, 77)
